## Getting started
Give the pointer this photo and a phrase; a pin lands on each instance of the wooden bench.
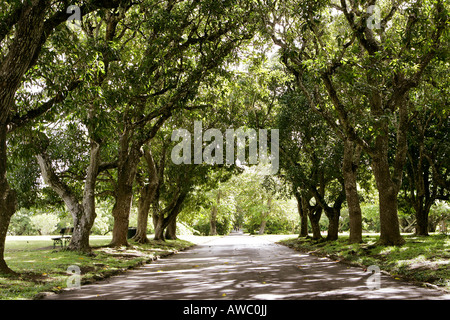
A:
(64, 238)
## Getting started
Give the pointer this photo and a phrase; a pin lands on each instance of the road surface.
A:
(242, 267)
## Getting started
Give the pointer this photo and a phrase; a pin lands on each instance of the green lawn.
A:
(40, 268)
(421, 259)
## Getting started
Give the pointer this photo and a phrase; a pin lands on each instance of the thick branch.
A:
(50, 178)
(343, 116)
(18, 121)
(10, 20)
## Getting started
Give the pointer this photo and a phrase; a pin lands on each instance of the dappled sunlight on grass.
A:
(424, 259)
(41, 268)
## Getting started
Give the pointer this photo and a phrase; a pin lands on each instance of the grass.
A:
(42, 269)
(420, 259)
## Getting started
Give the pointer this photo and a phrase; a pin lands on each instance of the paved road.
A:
(243, 267)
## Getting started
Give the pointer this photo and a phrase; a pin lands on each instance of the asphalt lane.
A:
(242, 267)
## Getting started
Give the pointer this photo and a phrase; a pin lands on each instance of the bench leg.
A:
(55, 242)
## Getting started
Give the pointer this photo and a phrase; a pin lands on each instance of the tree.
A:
(311, 160)
(426, 171)
(367, 73)
(24, 30)
(302, 211)
(171, 194)
(147, 192)
(213, 220)
(95, 74)
(350, 164)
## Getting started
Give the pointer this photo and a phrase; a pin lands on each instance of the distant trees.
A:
(426, 176)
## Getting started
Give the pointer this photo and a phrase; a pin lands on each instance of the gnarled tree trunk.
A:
(129, 157)
(83, 214)
(163, 218)
(83, 223)
(147, 195)
(144, 203)
(314, 214)
(333, 215)
(388, 184)
(350, 164)
(24, 46)
(158, 223)
(171, 230)
(171, 222)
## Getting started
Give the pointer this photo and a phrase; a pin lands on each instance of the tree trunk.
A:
(126, 173)
(264, 216)
(171, 221)
(350, 165)
(314, 213)
(5, 218)
(303, 212)
(121, 213)
(422, 208)
(161, 222)
(7, 202)
(262, 226)
(144, 203)
(387, 194)
(422, 222)
(213, 220)
(81, 230)
(171, 231)
(83, 214)
(18, 59)
(147, 195)
(157, 215)
(83, 225)
(158, 222)
(7, 209)
(333, 215)
(388, 184)
(421, 197)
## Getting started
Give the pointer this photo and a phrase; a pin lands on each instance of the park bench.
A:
(64, 238)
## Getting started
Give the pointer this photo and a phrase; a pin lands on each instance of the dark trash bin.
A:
(131, 233)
